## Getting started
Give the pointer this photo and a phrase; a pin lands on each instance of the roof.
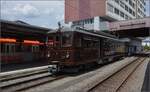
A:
(130, 24)
(89, 32)
(24, 24)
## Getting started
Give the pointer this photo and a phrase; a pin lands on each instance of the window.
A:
(91, 21)
(130, 2)
(2, 48)
(122, 14)
(13, 48)
(90, 42)
(86, 21)
(116, 11)
(7, 48)
(66, 39)
(57, 40)
(130, 11)
(133, 13)
(133, 5)
(122, 4)
(35, 48)
(126, 16)
(117, 1)
(126, 8)
(110, 7)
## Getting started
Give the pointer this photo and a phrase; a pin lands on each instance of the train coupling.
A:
(54, 68)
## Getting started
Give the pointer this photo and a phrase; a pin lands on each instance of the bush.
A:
(146, 47)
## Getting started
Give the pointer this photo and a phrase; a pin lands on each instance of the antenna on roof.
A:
(59, 25)
(59, 32)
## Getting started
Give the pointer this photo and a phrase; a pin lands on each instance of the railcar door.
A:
(100, 51)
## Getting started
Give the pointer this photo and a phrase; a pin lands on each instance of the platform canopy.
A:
(131, 28)
(22, 30)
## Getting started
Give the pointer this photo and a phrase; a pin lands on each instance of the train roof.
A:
(89, 32)
(24, 24)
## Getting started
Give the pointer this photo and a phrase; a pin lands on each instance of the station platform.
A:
(143, 54)
(25, 65)
(139, 81)
(146, 83)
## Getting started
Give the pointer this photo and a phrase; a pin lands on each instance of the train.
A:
(18, 51)
(70, 50)
(65, 49)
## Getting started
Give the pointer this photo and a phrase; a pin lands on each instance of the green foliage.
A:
(146, 47)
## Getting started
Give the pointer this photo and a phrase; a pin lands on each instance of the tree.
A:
(146, 47)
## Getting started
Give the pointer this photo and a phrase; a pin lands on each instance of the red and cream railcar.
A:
(13, 51)
(22, 42)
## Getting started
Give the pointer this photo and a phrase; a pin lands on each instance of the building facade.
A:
(95, 14)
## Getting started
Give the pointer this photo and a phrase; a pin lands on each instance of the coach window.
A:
(57, 40)
(35, 48)
(95, 43)
(7, 48)
(66, 40)
(2, 48)
(12, 48)
(78, 42)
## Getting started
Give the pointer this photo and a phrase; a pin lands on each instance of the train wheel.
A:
(100, 61)
(53, 69)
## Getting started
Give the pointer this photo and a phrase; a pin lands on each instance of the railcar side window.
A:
(66, 40)
(12, 48)
(2, 48)
(78, 42)
(90, 42)
(7, 48)
(57, 42)
(35, 48)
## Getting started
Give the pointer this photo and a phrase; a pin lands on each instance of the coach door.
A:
(99, 51)
(98, 47)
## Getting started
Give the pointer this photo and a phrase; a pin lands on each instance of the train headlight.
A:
(67, 55)
(48, 55)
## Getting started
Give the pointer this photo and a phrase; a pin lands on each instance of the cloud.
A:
(26, 10)
(60, 17)
(48, 11)
(41, 13)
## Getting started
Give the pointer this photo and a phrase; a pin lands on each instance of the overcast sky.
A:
(41, 13)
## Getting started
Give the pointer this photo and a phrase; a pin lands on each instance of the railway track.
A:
(116, 81)
(26, 81)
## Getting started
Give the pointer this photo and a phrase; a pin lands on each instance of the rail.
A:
(25, 79)
(108, 80)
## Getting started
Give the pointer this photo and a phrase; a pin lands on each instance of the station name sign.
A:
(130, 24)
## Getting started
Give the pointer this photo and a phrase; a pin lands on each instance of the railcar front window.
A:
(67, 40)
